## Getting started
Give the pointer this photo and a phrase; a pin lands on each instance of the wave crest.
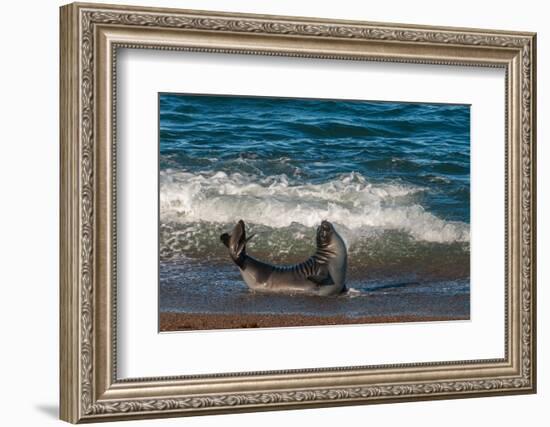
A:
(349, 201)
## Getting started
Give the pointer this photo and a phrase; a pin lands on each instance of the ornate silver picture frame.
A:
(91, 34)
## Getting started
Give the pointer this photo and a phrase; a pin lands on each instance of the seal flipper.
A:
(236, 243)
(321, 280)
(329, 281)
(322, 277)
(238, 239)
(225, 239)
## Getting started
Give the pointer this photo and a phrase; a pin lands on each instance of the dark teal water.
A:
(394, 178)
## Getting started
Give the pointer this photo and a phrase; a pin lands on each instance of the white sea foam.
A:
(349, 201)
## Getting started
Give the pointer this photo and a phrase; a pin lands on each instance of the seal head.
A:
(325, 233)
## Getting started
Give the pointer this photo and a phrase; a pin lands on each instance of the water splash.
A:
(350, 201)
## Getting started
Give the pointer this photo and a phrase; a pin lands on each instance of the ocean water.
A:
(394, 179)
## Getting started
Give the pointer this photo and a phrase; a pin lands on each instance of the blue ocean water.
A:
(394, 178)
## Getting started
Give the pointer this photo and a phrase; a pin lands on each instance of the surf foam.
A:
(349, 201)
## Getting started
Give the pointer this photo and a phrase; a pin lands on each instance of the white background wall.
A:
(29, 170)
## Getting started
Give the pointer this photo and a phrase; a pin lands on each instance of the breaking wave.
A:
(354, 204)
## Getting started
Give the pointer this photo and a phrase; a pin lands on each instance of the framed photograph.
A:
(266, 212)
(334, 191)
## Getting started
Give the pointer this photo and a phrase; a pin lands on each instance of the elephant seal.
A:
(324, 273)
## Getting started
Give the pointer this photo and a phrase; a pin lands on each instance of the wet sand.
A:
(204, 321)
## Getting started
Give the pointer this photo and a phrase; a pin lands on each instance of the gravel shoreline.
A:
(170, 321)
